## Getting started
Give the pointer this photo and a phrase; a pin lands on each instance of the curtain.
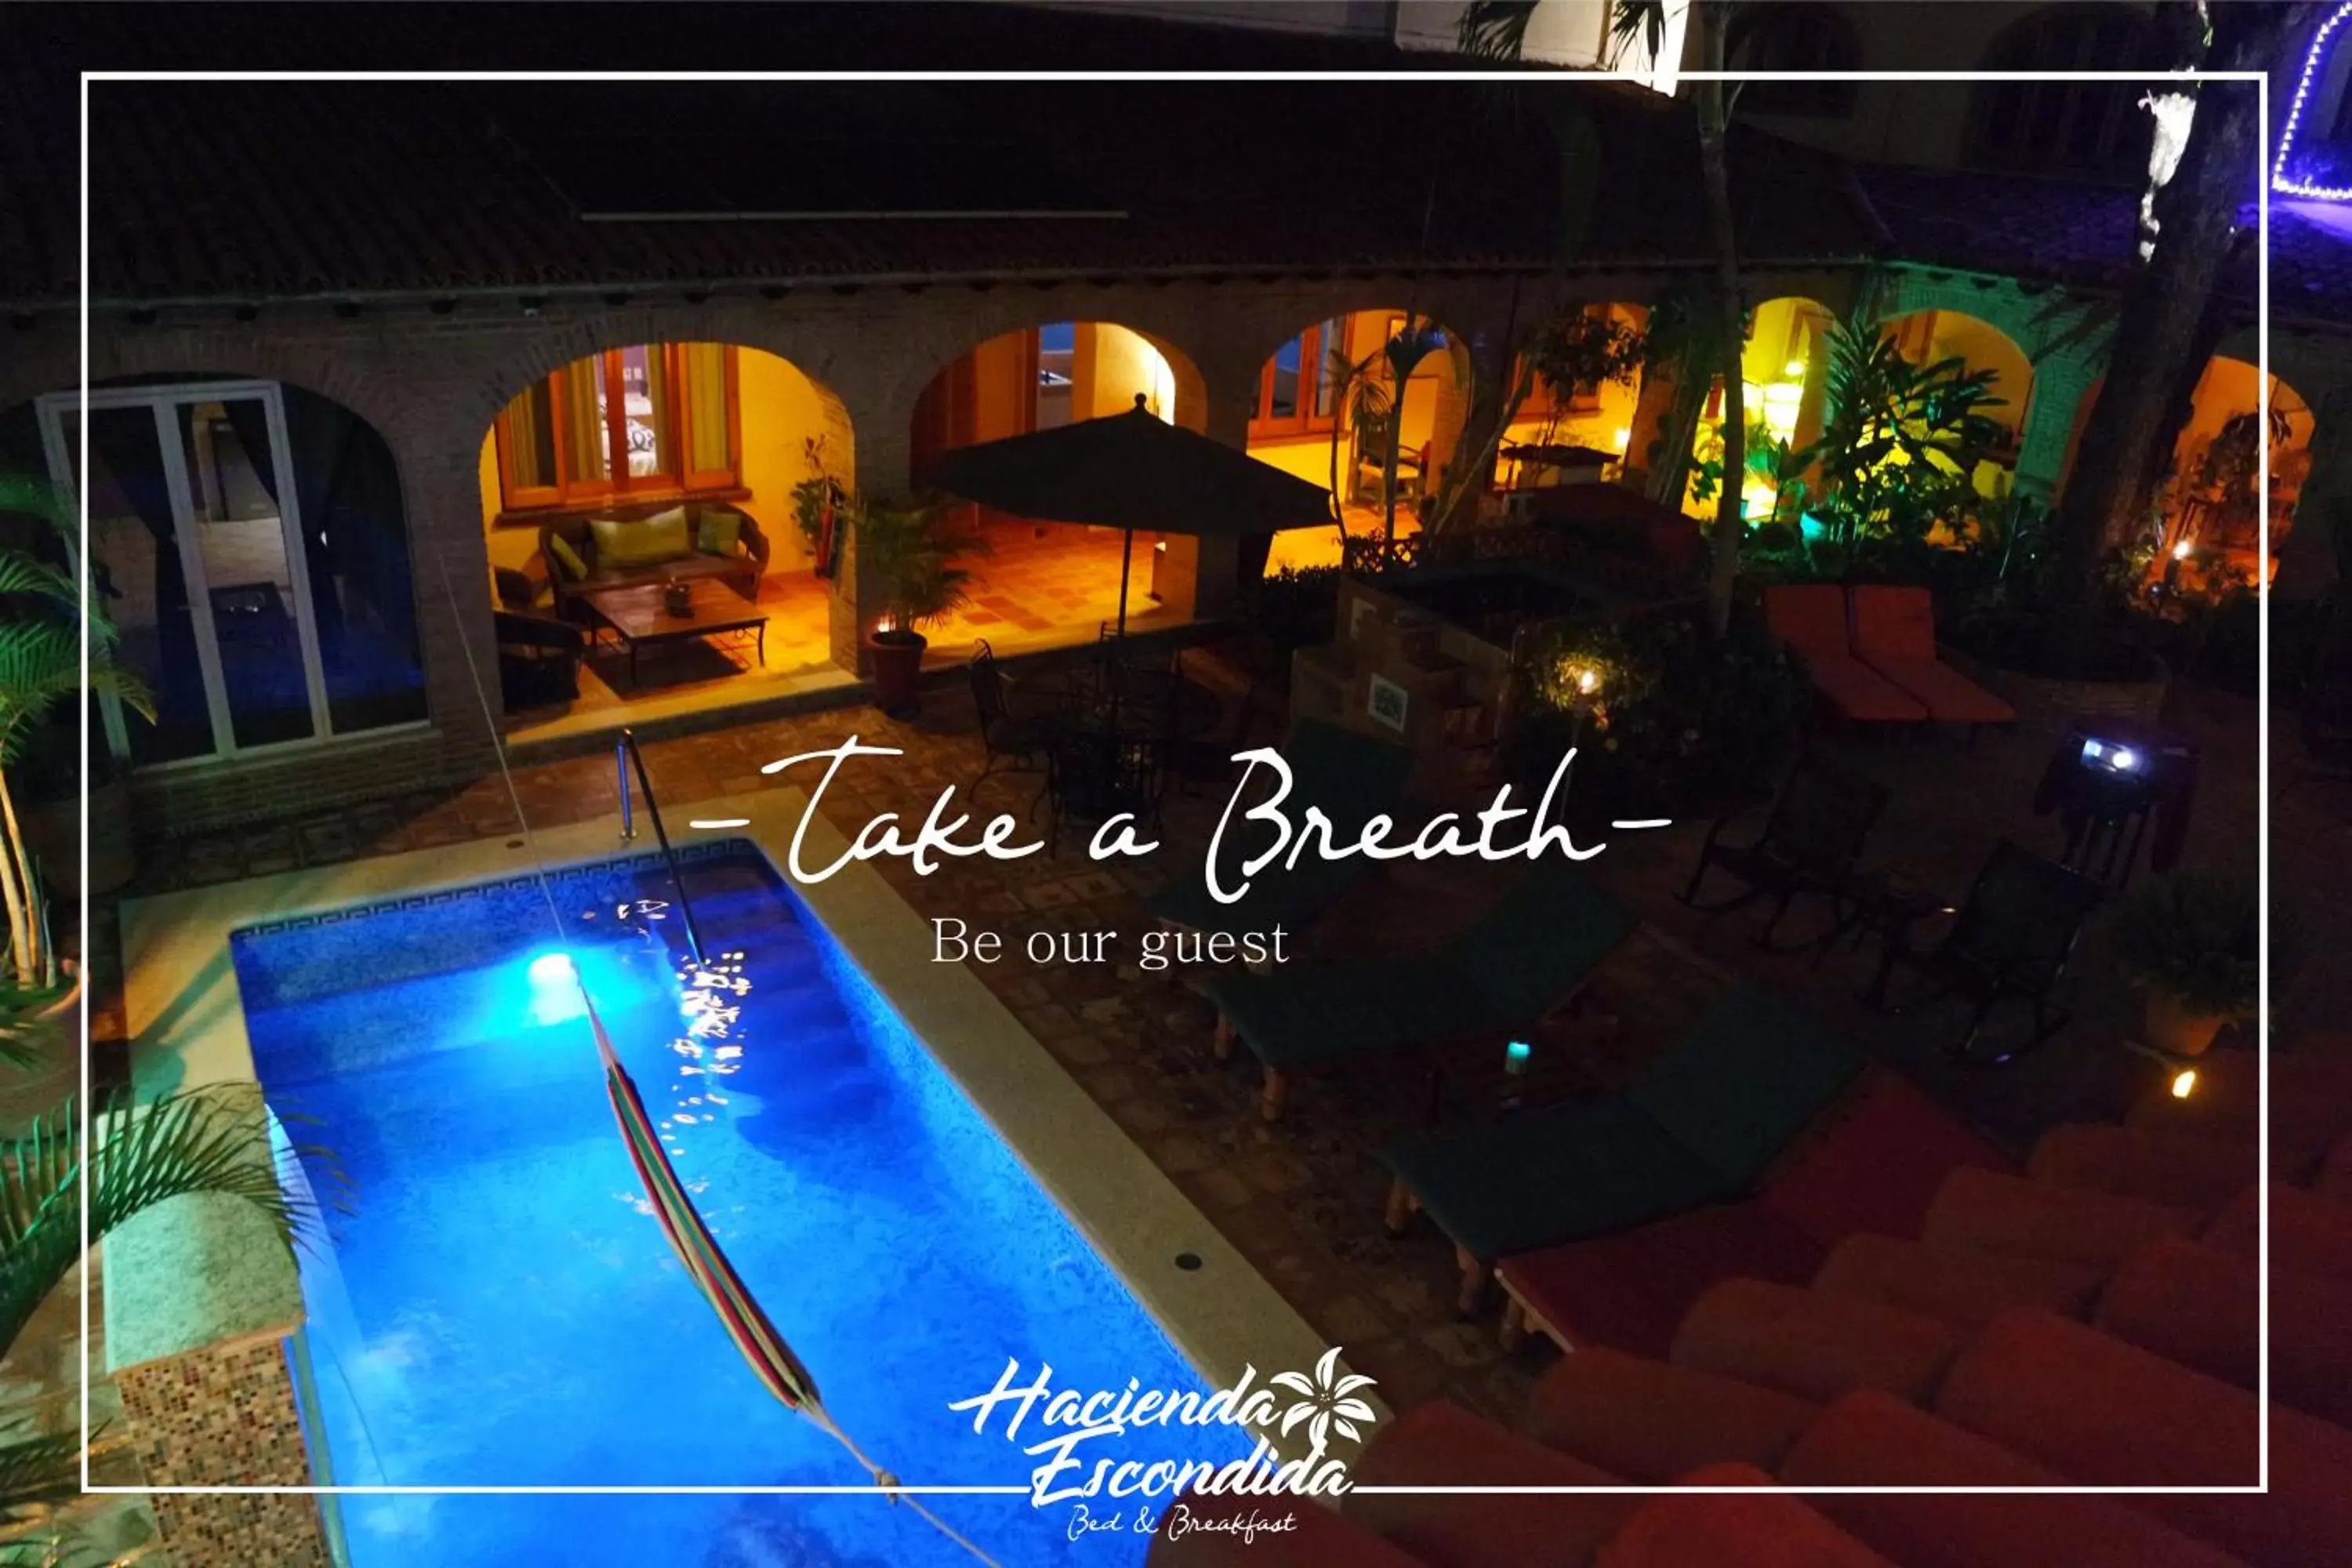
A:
(355, 547)
(584, 425)
(706, 404)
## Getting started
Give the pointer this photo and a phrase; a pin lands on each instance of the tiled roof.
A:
(2060, 231)
(253, 190)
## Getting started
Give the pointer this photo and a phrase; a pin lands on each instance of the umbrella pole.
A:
(1125, 565)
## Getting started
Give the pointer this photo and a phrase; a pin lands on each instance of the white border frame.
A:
(2153, 79)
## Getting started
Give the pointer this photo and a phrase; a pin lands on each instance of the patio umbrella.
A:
(1133, 470)
(771, 1360)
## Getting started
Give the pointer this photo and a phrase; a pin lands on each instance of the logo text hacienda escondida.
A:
(1052, 1426)
(1447, 834)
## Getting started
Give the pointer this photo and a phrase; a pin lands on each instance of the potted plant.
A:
(43, 609)
(2190, 941)
(906, 559)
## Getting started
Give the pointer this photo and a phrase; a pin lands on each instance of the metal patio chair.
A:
(1811, 836)
(2009, 941)
(1002, 733)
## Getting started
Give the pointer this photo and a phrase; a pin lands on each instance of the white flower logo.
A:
(1326, 1401)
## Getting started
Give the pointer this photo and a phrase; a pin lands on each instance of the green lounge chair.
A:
(1521, 959)
(1698, 1126)
(1353, 778)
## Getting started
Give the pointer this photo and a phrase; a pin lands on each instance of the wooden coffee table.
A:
(637, 616)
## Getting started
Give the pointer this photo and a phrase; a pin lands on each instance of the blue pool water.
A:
(494, 1305)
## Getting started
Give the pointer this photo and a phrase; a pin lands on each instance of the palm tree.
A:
(40, 666)
(2169, 320)
(196, 1143)
(1497, 30)
(1362, 423)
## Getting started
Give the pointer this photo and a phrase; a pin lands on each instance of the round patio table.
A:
(1134, 702)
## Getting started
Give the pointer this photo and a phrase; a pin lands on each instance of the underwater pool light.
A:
(556, 994)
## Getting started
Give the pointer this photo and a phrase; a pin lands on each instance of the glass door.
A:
(193, 551)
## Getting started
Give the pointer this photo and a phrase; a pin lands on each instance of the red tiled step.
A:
(1748, 1526)
(1965, 1288)
(2162, 1164)
(1813, 1346)
(2010, 1214)
(2334, 1178)
(1873, 1163)
(1873, 1439)
(2103, 1412)
(2189, 1303)
(1649, 1421)
(1628, 1290)
(1440, 1444)
(2197, 1305)
(2308, 1234)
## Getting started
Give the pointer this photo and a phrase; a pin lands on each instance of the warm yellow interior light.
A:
(2184, 1083)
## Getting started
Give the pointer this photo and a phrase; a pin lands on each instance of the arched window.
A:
(1814, 37)
(2073, 126)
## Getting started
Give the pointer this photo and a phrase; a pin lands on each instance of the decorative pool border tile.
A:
(699, 850)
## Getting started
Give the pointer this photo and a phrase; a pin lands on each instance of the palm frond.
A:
(1632, 22)
(36, 1473)
(1495, 30)
(23, 574)
(201, 1141)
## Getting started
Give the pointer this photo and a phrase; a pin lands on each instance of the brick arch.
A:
(1169, 327)
(521, 362)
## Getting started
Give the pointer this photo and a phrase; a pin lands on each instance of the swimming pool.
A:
(497, 1307)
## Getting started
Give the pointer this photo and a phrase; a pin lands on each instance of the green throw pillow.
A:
(656, 540)
(717, 533)
(567, 560)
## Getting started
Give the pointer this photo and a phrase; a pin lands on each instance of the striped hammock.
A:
(763, 1349)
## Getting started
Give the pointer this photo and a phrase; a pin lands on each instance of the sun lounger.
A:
(1520, 961)
(1352, 778)
(1812, 619)
(1697, 1127)
(1895, 635)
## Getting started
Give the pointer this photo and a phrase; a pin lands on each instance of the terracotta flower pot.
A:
(896, 658)
(2176, 1031)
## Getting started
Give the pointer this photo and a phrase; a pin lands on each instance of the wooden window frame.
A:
(524, 505)
(1304, 421)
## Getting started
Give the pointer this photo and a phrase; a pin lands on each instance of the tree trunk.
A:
(1670, 481)
(26, 960)
(1712, 116)
(2138, 414)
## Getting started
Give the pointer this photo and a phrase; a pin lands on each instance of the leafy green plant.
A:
(908, 556)
(2192, 936)
(1584, 350)
(1676, 717)
(43, 610)
(1296, 606)
(1900, 441)
(203, 1142)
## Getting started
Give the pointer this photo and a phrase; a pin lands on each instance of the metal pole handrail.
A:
(625, 754)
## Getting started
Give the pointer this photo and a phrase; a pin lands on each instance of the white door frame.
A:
(166, 400)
